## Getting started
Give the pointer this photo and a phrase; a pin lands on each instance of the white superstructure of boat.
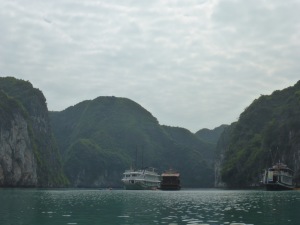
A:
(143, 179)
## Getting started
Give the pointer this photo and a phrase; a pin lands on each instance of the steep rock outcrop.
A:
(221, 148)
(29, 153)
(17, 160)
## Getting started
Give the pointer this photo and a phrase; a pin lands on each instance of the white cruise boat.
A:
(144, 179)
(278, 177)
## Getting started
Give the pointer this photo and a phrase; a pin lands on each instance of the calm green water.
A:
(89, 207)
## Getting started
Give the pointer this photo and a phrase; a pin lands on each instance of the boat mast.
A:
(136, 156)
(142, 159)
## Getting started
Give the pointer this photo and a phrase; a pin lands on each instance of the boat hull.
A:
(279, 187)
(170, 187)
(141, 185)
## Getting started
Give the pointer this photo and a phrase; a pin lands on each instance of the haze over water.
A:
(190, 207)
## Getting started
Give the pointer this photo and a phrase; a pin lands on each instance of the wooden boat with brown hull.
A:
(170, 180)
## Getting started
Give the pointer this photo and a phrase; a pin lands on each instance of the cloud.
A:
(190, 63)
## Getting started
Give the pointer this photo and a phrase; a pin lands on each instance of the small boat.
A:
(170, 180)
(278, 177)
(143, 179)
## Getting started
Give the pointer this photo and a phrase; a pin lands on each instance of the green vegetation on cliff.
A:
(9, 106)
(268, 131)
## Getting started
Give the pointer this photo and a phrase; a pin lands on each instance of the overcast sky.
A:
(191, 63)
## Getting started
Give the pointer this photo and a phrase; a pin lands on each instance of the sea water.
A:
(189, 207)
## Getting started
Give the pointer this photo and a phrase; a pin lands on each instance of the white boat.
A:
(279, 177)
(144, 179)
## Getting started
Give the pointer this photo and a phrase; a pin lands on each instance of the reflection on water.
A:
(190, 207)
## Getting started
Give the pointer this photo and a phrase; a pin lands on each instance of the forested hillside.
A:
(268, 131)
(101, 138)
(28, 153)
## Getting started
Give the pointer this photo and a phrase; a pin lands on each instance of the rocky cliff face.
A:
(222, 147)
(17, 160)
(292, 156)
(28, 152)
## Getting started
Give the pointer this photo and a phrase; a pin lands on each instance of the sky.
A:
(191, 63)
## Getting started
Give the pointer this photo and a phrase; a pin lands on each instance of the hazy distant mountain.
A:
(184, 137)
(100, 138)
(211, 136)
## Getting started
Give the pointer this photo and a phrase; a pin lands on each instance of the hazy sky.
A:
(191, 63)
